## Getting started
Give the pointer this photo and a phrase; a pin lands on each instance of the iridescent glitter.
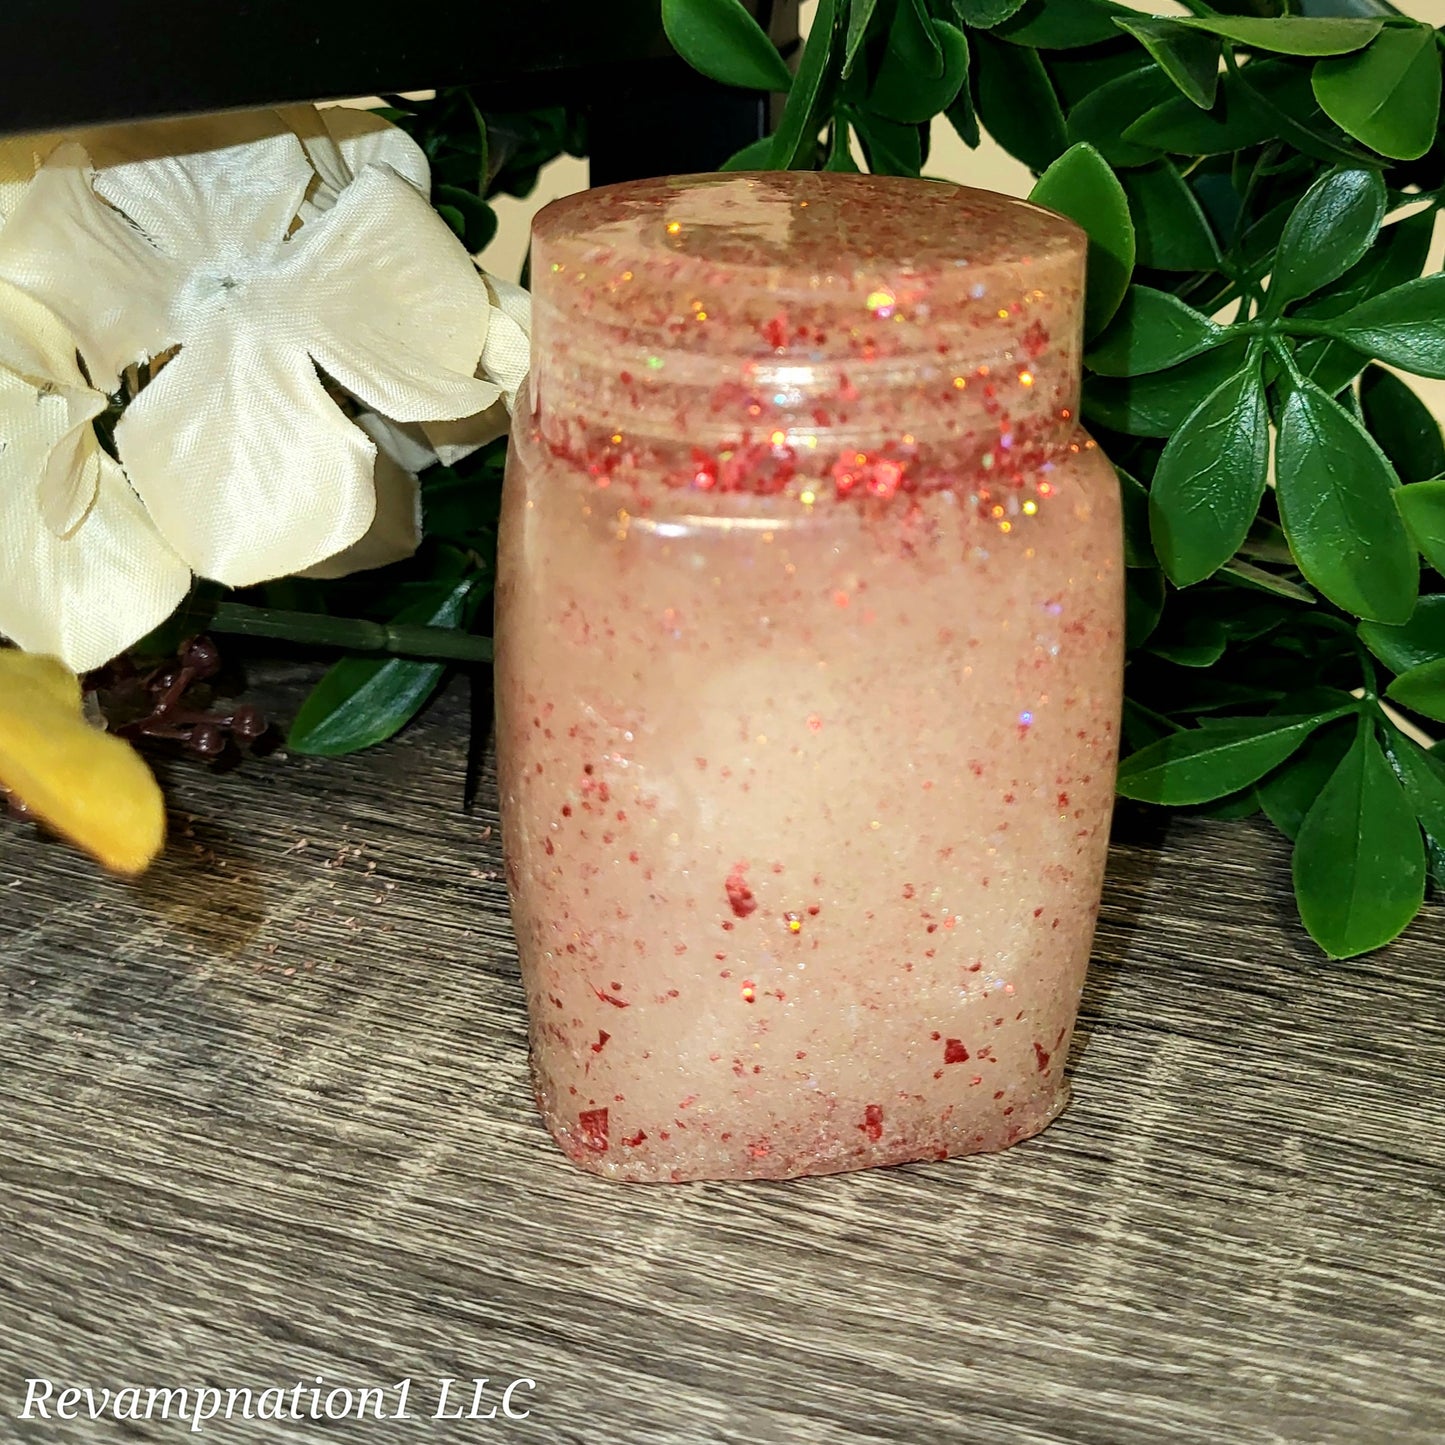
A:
(809, 629)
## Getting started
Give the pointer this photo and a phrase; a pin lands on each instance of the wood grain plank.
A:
(266, 1116)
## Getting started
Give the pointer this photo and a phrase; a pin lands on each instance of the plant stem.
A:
(354, 634)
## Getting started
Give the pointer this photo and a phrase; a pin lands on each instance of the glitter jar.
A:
(809, 660)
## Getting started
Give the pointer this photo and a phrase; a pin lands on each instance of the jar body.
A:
(805, 812)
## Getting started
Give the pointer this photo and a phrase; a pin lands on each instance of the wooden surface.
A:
(266, 1116)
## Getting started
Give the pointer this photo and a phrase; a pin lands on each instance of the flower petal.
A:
(204, 208)
(405, 443)
(395, 532)
(392, 305)
(85, 597)
(508, 353)
(453, 440)
(340, 140)
(89, 786)
(49, 411)
(247, 466)
(91, 267)
(69, 481)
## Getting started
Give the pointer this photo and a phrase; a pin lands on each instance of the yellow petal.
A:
(92, 788)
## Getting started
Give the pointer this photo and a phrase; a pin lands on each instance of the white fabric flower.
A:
(505, 360)
(83, 572)
(246, 466)
(395, 530)
(340, 142)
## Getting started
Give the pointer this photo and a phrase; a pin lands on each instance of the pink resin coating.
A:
(807, 715)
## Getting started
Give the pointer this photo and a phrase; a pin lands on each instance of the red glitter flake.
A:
(749, 992)
(740, 896)
(954, 1052)
(611, 998)
(602, 1037)
(1043, 1056)
(872, 1125)
(593, 1123)
(633, 1140)
(775, 332)
(884, 479)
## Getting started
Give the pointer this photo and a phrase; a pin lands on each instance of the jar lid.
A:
(745, 331)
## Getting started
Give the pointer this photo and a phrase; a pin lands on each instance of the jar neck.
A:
(875, 426)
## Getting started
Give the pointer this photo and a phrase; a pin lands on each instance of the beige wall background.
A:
(989, 167)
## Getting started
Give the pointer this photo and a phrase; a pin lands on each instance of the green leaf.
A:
(1170, 229)
(1257, 579)
(1359, 860)
(1403, 327)
(1422, 689)
(1387, 96)
(860, 17)
(1403, 425)
(890, 148)
(903, 93)
(724, 42)
(479, 220)
(1189, 59)
(1157, 404)
(1398, 255)
(1423, 776)
(1208, 484)
(1423, 508)
(796, 139)
(754, 156)
(1198, 640)
(1408, 644)
(1081, 186)
(363, 701)
(1335, 489)
(1152, 330)
(985, 14)
(915, 39)
(1237, 121)
(1290, 35)
(1333, 225)
(1289, 792)
(1062, 24)
(1016, 102)
(1141, 726)
(1143, 604)
(1106, 112)
(963, 118)
(1202, 764)
(1135, 500)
